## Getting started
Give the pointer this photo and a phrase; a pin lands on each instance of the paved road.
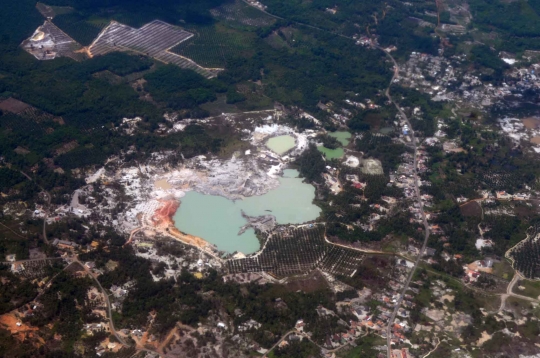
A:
(418, 200)
(107, 301)
(278, 342)
(45, 218)
(48, 198)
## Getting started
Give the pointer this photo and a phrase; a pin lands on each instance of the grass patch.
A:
(532, 288)
(503, 270)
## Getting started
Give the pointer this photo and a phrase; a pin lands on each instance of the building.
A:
(65, 245)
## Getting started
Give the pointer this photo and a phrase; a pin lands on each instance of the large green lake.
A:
(218, 220)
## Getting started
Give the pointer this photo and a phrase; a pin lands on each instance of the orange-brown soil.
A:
(163, 216)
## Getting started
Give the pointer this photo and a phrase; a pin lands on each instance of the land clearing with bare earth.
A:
(471, 208)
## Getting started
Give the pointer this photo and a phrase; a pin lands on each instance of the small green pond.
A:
(281, 144)
(344, 138)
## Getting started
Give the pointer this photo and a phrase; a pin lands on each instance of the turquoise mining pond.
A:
(280, 144)
(218, 220)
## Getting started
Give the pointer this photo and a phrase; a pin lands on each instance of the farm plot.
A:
(38, 268)
(526, 254)
(341, 261)
(25, 110)
(296, 252)
(212, 46)
(241, 13)
(153, 39)
(49, 42)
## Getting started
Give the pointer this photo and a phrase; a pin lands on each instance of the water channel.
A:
(218, 220)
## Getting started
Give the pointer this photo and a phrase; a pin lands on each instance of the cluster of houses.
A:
(503, 195)
(446, 79)
(366, 41)
(473, 270)
(374, 320)
(119, 294)
(257, 4)
(339, 114)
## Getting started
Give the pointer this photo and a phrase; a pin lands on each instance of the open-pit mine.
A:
(217, 205)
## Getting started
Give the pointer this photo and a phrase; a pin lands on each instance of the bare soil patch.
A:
(162, 184)
(313, 282)
(531, 122)
(67, 147)
(535, 140)
(15, 326)
(21, 150)
(471, 208)
(14, 106)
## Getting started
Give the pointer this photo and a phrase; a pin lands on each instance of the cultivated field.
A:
(298, 251)
(25, 110)
(153, 39)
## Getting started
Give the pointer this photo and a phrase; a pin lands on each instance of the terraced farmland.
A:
(212, 46)
(298, 251)
(153, 39)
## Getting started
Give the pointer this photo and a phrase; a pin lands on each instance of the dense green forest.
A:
(388, 20)
(90, 105)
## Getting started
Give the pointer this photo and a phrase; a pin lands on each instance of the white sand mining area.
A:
(156, 188)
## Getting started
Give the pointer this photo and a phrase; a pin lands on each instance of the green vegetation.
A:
(14, 291)
(389, 20)
(138, 12)
(532, 288)
(328, 141)
(517, 21)
(213, 46)
(527, 259)
(182, 89)
(311, 164)
(381, 147)
(60, 307)
(503, 269)
(79, 28)
(364, 348)
(298, 349)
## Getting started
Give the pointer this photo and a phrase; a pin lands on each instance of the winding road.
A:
(107, 301)
(510, 293)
